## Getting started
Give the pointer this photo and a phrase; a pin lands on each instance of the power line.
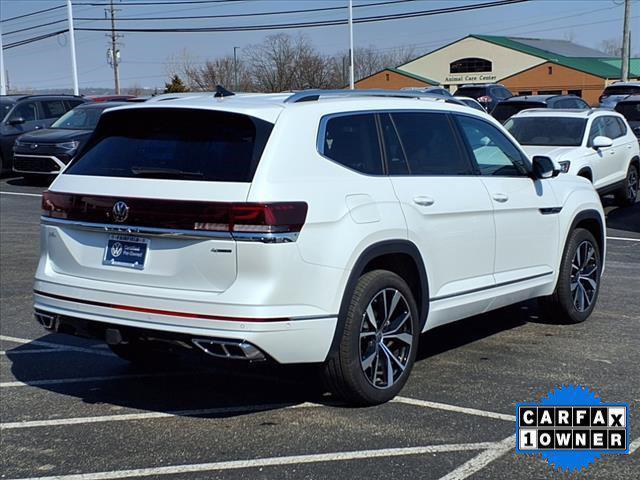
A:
(258, 14)
(322, 23)
(33, 13)
(175, 2)
(35, 26)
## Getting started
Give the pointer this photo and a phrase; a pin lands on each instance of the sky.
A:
(144, 56)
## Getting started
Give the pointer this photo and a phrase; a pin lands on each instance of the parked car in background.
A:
(488, 94)
(618, 91)
(313, 227)
(596, 144)
(435, 90)
(629, 108)
(506, 108)
(110, 98)
(471, 102)
(20, 114)
(43, 153)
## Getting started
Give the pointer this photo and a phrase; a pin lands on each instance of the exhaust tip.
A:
(48, 321)
(231, 349)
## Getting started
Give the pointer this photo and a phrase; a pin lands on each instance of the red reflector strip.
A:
(159, 312)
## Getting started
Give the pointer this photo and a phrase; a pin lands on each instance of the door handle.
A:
(423, 201)
(500, 197)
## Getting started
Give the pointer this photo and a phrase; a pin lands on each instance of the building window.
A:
(550, 70)
(468, 65)
(577, 93)
(550, 92)
(387, 76)
(525, 92)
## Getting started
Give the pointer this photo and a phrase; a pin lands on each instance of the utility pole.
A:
(351, 72)
(113, 54)
(626, 41)
(3, 84)
(235, 69)
(72, 45)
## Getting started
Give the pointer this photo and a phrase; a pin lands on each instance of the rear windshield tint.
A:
(473, 92)
(621, 90)
(630, 110)
(503, 111)
(171, 143)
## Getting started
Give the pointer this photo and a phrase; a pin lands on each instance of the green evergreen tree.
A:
(175, 86)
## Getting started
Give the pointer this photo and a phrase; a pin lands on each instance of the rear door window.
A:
(352, 141)
(53, 108)
(427, 145)
(172, 143)
(630, 110)
(26, 110)
(612, 128)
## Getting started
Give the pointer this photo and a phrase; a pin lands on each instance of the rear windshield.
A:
(473, 92)
(621, 90)
(171, 143)
(547, 131)
(505, 110)
(630, 110)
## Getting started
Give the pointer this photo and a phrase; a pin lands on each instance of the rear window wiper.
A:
(160, 172)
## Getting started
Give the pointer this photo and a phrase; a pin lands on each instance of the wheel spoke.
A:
(574, 285)
(590, 281)
(403, 337)
(366, 362)
(394, 303)
(389, 369)
(364, 335)
(371, 316)
(397, 328)
(390, 354)
(590, 272)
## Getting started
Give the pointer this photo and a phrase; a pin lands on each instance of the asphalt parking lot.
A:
(71, 410)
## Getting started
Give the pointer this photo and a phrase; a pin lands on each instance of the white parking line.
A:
(54, 347)
(634, 445)
(145, 416)
(273, 461)
(624, 239)
(61, 381)
(483, 459)
(22, 194)
(454, 408)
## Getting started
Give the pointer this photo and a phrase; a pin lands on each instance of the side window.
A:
(428, 144)
(597, 130)
(53, 108)
(566, 103)
(352, 141)
(612, 127)
(494, 153)
(26, 110)
(622, 125)
(71, 104)
(396, 158)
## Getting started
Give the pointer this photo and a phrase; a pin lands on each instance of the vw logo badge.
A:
(120, 212)
(116, 250)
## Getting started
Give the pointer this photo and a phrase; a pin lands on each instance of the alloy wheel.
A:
(386, 338)
(584, 276)
(632, 184)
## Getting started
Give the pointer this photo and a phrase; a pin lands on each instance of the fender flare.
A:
(371, 252)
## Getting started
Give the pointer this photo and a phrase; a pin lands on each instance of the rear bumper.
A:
(286, 340)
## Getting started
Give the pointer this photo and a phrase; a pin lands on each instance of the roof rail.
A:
(314, 95)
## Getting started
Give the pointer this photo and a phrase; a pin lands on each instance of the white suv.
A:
(316, 227)
(596, 144)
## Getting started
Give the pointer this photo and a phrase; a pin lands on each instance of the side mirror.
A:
(601, 142)
(543, 167)
(16, 121)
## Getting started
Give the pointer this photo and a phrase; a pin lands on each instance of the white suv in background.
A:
(596, 144)
(316, 227)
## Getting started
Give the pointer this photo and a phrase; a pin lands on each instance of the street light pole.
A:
(3, 83)
(626, 41)
(72, 45)
(235, 69)
(351, 72)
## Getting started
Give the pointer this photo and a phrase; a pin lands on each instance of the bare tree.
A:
(367, 61)
(283, 62)
(612, 47)
(206, 76)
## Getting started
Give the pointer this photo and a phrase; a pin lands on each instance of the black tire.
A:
(574, 305)
(344, 372)
(628, 194)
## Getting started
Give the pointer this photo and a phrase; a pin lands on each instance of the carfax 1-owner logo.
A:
(571, 427)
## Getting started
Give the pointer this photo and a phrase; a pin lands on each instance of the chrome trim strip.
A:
(174, 233)
(480, 289)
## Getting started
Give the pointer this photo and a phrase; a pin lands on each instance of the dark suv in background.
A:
(43, 153)
(618, 91)
(20, 114)
(506, 108)
(487, 94)
(629, 108)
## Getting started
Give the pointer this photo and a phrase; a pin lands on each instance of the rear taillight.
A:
(273, 217)
(279, 217)
(484, 99)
